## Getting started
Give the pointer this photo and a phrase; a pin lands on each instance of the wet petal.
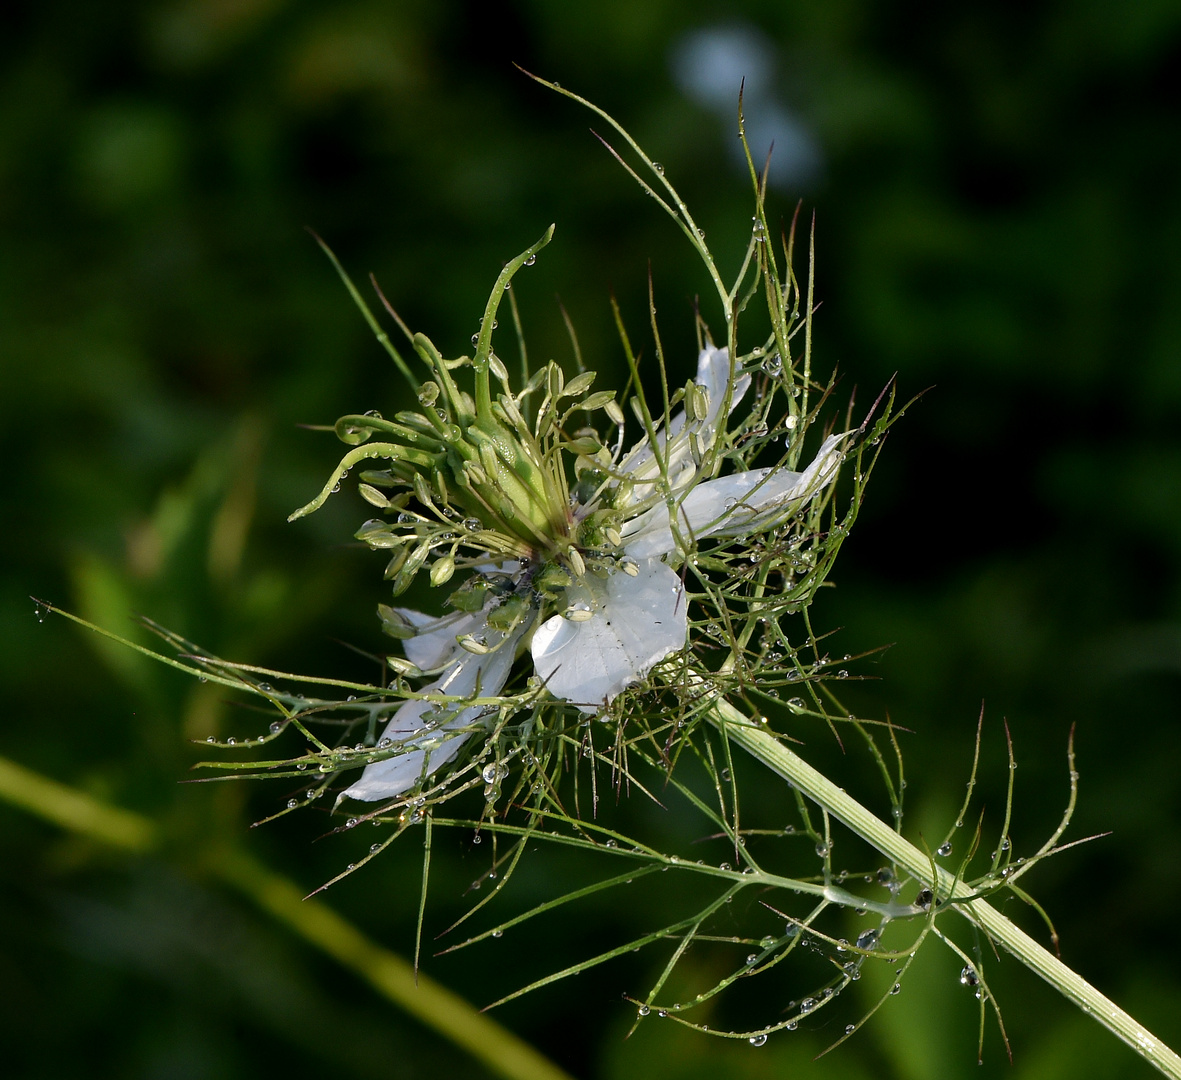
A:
(713, 373)
(732, 504)
(434, 643)
(635, 623)
(433, 748)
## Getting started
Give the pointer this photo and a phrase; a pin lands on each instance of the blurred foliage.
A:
(997, 220)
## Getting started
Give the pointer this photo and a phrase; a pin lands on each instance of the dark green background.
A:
(997, 219)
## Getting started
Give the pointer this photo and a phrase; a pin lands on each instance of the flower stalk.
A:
(961, 897)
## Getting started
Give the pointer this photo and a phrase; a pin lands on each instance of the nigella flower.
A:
(617, 617)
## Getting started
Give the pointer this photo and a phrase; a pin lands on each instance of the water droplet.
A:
(477, 839)
(351, 823)
(758, 1040)
(492, 773)
(796, 704)
(944, 849)
(531, 260)
(791, 1025)
(807, 1005)
(868, 939)
(823, 849)
(923, 900)
(752, 959)
(896, 988)
(231, 741)
(643, 1010)
(968, 977)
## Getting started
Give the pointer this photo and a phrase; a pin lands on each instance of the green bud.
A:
(470, 644)
(379, 534)
(372, 496)
(394, 624)
(597, 401)
(579, 385)
(410, 568)
(442, 570)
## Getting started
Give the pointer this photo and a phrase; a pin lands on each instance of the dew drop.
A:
(758, 1040)
(643, 1010)
(896, 988)
(968, 977)
(867, 939)
(944, 849)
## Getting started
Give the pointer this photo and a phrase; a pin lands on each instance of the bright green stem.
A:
(484, 338)
(390, 975)
(842, 806)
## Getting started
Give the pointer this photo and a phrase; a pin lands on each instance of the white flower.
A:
(429, 747)
(613, 632)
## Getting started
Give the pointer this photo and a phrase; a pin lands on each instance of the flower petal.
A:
(731, 504)
(430, 748)
(713, 373)
(634, 624)
(434, 643)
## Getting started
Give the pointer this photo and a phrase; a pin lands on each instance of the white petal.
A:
(391, 777)
(635, 623)
(713, 373)
(732, 504)
(434, 643)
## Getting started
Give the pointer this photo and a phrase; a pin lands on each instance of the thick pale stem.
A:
(842, 806)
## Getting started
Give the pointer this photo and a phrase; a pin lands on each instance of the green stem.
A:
(389, 974)
(817, 787)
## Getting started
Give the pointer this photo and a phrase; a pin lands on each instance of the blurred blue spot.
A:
(711, 65)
